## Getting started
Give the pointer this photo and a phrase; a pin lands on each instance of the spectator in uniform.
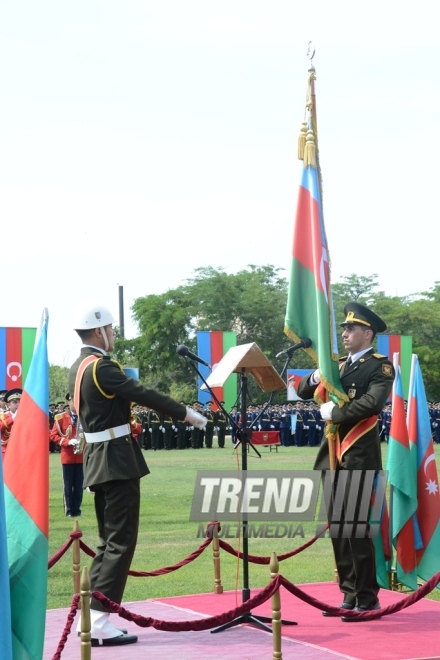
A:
(12, 400)
(221, 422)
(64, 434)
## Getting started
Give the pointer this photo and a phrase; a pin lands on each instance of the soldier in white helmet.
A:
(113, 460)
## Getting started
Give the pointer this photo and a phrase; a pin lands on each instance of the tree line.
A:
(252, 303)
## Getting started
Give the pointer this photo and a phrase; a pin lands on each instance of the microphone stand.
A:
(244, 434)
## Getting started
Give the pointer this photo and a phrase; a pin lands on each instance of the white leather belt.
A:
(108, 434)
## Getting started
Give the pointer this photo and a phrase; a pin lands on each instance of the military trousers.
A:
(355, 557)
(117, 512)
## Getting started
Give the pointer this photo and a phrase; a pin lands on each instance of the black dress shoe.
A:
(115, 641)
(359, 610)
(342, 606)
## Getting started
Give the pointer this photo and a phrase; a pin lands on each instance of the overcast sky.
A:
(140, 140)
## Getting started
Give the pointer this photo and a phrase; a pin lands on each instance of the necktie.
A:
(348, 363)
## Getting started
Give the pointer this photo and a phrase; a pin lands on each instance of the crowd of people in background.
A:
(298, 422)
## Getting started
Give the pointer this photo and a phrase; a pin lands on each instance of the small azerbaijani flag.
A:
(26, 479)
(211, 347)
(16, 348)
(402, 469)
(389, 345)
(428, 495)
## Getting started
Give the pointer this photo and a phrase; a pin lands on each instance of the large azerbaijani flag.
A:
(211, 347)
(402, 470)
(309, 311)
(428, 496)
(390, 345)
(26, 480)
(16, 348)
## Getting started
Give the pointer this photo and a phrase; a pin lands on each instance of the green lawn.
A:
(166, 536)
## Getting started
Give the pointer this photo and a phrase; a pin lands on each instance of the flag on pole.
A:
(428, 496)
(5, 608)
(402, 470)
(26, 479)
(212, 345)
(16, 348)
(402, 345)
(309, 311)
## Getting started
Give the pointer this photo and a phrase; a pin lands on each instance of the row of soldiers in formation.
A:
(299, 424)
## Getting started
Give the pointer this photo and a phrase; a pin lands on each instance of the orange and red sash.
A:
(358, 430)
(79, 375)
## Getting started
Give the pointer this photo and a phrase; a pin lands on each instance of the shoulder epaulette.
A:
(342, 359)
(379, 356)
(59, 416)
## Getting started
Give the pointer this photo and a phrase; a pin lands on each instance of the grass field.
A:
(166, 536)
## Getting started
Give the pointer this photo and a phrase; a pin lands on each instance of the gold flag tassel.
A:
(302, 140)
(310, 150)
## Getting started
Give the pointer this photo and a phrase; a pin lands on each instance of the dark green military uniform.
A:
(220, 421)
(112, 469)
(209, 431)
(367, 382)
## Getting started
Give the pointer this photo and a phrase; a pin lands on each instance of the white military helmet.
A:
(91, 317)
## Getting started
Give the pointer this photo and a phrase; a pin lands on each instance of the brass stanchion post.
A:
(276, 610)
(76, 563)
(218, 588)
(85, 593)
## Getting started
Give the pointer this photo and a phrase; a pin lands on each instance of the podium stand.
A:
(243, 360)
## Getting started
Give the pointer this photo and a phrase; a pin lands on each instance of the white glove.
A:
(196, 419)
(163, 430)
(73, 442)
(315, 378)
(174, 428)
(259, 427)
(150, 430)
(326, 411)
(160, 428)
(272, 426)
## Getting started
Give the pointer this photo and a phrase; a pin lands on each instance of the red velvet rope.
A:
(159, 571)
(259, 599)
(68, 627)
(198, 624)
(255, 559)
(57, 556)
(364, 616)
(174, 567)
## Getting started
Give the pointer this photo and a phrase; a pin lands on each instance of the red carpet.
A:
(410, 634)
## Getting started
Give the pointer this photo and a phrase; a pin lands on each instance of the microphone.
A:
(304, 343)
(185, 352)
